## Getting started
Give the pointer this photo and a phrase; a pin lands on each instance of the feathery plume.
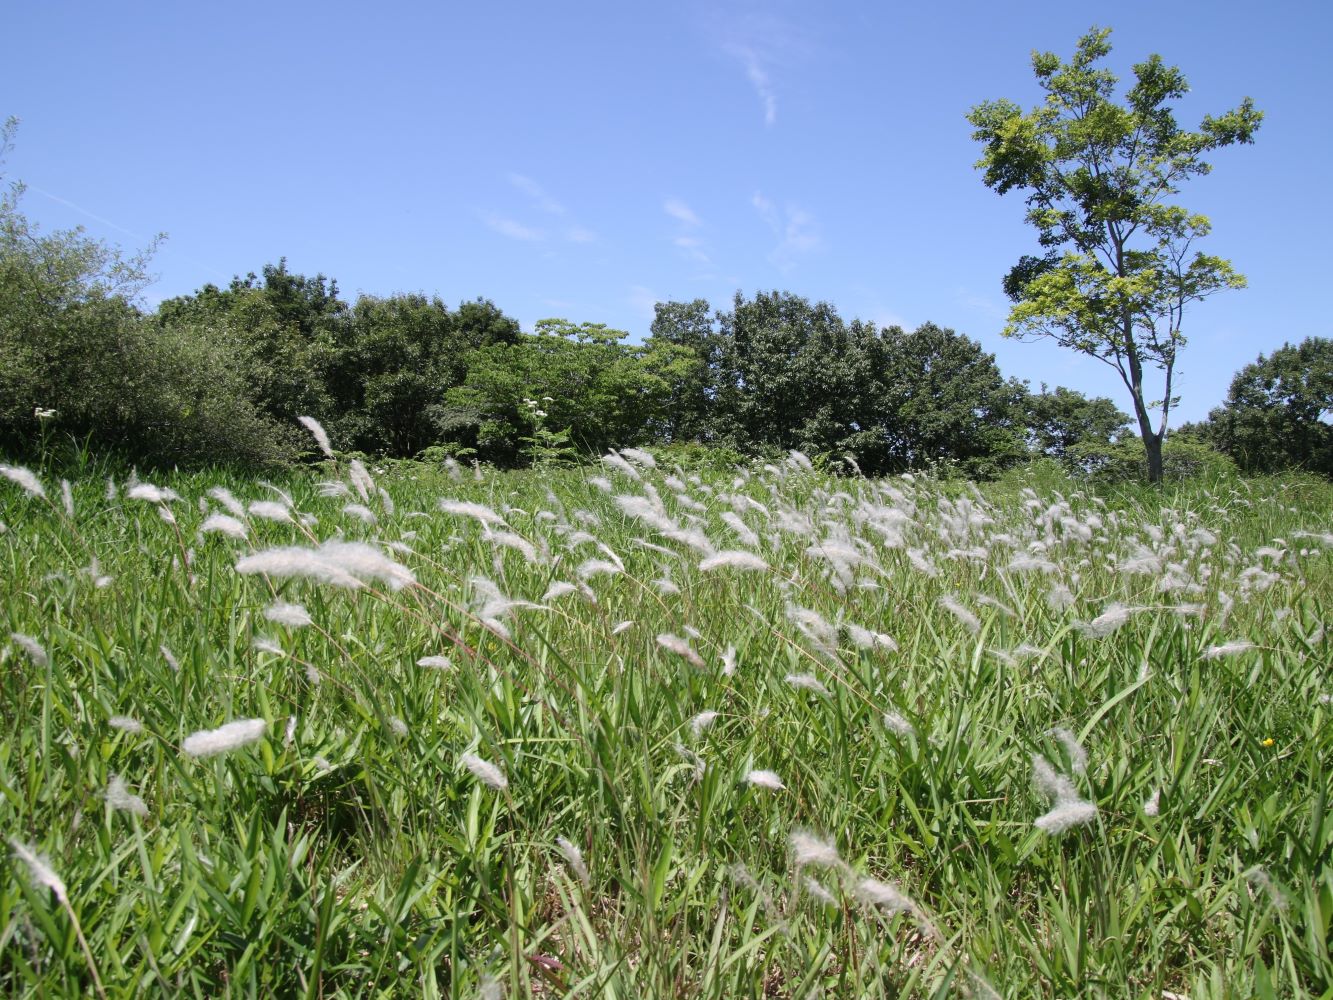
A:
(224, 739)
(764, 779)
(574, 859)
(126, 724)
(817, 890)
(898, 725)
(640, 456)
(318, 433)
(289, 615)
(807, 682)
(1051, 782)
(435, 662)
(621, 627)
(361, 512)
(729, 661)
(223, 524)
(25, 480)
(733, 559)
(952, 605)
(118, 796)
(1107, 622)
(295, 561)
(680, 647)
(39, 868)
(485, 772)
(1066, 815)
(32, 647)
(884, 896)
(224, 496)
(701, 722)
(1078, 757)
(1228, 649)
(812, 851)
(67, 497)
(461, 508)
(270, 510)
(1152, 805)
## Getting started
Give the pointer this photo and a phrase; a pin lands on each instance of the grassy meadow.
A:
(623, 731)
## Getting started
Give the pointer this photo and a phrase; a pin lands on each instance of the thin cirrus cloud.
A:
(511, 228)
(759, 79)
(543, 202)
(686, 240)
(796, 229)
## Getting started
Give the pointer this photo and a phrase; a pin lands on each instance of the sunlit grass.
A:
(439, 756)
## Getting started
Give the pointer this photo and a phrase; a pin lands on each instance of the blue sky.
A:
(587, 159)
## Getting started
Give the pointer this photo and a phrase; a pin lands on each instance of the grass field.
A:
(620, 732)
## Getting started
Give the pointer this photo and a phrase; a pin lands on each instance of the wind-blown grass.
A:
(556, 735)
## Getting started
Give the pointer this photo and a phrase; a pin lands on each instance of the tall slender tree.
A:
(1119, 266)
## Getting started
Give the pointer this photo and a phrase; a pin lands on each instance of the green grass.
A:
(359, 857)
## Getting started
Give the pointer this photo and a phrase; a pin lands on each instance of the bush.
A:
(1183, 457)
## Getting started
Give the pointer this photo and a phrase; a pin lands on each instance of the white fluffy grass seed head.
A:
(118, 796)
(1066, 815)
(764, 779)
(32, 647)
(126, 724)
(39, 868)
(808, 682)
(320, 435)
(224, 739)
(223, 524)
(435, 662)
(809, 850)
(574, 858)
(288, 615)
(485, 772)
(25, 479)
(701, 722)
(680, 647)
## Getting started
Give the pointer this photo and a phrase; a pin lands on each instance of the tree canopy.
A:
(1119, 266)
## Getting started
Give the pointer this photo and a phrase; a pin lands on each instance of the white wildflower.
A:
(232, 736)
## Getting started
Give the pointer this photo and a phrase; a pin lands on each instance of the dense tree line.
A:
(220, 376)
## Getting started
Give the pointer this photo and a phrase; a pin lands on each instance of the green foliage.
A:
(1057, 420)
(73, 341)
(1184, 458)
(1278, 413)
(1119, 267)
(599, 391)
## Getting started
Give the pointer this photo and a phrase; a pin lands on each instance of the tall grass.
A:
(560, 759)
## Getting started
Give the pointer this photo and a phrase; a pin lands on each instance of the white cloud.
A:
(759, 79)
(537, 193)
(693, 247)
(681, 212)
(511, 228)
(797, 231)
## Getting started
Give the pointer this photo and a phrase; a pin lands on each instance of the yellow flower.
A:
(1266, 743)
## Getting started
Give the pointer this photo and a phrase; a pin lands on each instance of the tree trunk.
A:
(1152, 444)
